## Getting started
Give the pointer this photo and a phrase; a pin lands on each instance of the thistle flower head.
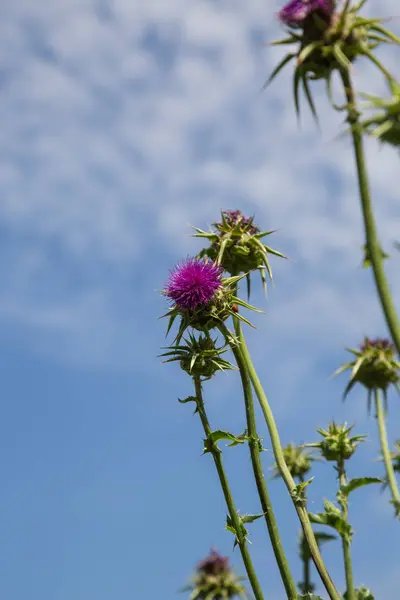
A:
(375, 366)
(201, 297)
(193, 283)
(296, 12)
(235, 244)
(336, 444)
(385, 123)
(234, 218)
(199, 356)
(298, 460)
(327, 40)
(215, 580)
(213, 564)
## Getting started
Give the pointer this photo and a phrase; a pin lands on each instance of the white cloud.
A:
(125, 122)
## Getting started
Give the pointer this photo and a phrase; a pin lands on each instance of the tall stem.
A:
(265, 500)
(283, 469)
(372, 242)
(345, 539)
(307, 586)
(394, 490)
(217, 456)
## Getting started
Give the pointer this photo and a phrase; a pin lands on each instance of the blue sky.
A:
(123, 123)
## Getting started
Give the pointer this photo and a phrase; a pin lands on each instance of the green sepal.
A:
(286, 59)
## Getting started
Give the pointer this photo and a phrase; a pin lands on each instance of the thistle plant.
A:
(328, 39)
(376, 368)
(207, 313)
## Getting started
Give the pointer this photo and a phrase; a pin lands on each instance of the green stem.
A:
(372, 242)
(217, 456)
(346, 543)
(307, 585)
(255, 455)
(380, 415)
(283, 469)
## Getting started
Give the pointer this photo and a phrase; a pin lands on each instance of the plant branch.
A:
(391, 477)
(372, 242)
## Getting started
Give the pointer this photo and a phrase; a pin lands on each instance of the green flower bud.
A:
(375, 366)
(199, 357)
(336, 444)
(298, 460)
(236, 246)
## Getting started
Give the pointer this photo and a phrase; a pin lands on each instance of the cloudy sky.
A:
(123, 123)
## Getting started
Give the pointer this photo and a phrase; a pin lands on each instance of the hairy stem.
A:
(217, 456)
(255, 454)
(282, 467)
(371, 236)
(391, 478)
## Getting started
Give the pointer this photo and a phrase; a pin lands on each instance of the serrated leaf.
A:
(334, 520)
(219, 434)
(356, 483)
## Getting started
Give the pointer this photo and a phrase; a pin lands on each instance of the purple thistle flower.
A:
(214, 564)
(295, 12)
(235, 217)
(382, 343)
(193, 283)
